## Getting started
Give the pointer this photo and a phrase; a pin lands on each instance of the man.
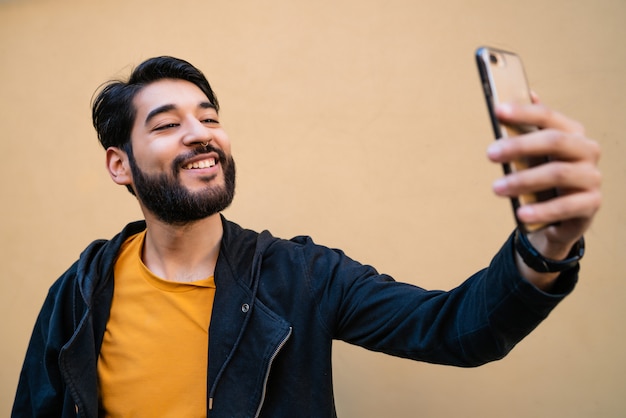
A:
(186, 314)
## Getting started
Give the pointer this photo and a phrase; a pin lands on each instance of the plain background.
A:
(358, 122)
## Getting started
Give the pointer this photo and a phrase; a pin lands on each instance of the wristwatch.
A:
(541, 264)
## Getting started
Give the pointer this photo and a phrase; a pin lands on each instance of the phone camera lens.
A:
(493, 58)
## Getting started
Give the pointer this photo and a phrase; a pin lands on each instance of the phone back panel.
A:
(504, 81)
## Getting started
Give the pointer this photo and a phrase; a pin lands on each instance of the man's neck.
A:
(183, 253)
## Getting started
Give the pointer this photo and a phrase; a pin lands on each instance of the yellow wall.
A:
(359, 122)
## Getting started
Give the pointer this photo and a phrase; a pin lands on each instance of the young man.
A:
(186, 314)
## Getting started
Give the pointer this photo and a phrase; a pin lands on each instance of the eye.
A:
(165, 126)
(210, 121)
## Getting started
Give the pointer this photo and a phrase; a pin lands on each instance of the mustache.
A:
(199, 150)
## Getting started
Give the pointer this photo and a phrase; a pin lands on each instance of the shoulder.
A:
(94, 263)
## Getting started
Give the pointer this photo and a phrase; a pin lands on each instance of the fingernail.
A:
(499, 185)
(526, 211)
(505, 109)
(494, 150)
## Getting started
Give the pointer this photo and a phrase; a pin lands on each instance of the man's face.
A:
(181, 163)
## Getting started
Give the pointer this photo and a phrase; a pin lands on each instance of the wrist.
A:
(541, 263)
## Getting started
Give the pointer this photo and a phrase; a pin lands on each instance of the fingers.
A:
(559, 136)
(572, 168)
(538, 115)
(576, 206)
(578, 185)
(567, 177)
(557, 144)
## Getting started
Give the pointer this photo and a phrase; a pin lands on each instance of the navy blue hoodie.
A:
(278, 306)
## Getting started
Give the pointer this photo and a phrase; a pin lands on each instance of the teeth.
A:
(201, 164)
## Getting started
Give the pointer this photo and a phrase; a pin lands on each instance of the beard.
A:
(171, 202)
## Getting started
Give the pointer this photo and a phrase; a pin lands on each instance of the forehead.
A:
(178, 93)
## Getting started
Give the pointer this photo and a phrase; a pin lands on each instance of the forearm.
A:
(477, 322)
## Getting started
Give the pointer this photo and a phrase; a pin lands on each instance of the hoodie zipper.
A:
(267, 373)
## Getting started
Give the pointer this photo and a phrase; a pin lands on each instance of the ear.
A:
(118, 166)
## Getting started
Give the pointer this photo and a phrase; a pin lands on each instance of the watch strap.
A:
(541, 264)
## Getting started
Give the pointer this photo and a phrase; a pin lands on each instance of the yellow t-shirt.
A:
(153, 361)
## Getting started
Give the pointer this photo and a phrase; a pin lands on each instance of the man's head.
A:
(113, 113)
(164, 141)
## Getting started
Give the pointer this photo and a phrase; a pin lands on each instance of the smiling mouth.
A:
(208, 163)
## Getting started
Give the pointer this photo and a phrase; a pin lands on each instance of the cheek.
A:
(223, 141)
(154, 155)
(162, 147)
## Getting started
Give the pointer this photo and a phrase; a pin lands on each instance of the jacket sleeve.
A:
(477, 322)
(40, 390)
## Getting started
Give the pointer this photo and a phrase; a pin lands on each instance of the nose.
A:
(196, 133)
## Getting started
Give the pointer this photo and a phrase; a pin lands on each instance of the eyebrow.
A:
(169, 107)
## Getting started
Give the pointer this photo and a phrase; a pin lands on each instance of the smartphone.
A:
(504, 81)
